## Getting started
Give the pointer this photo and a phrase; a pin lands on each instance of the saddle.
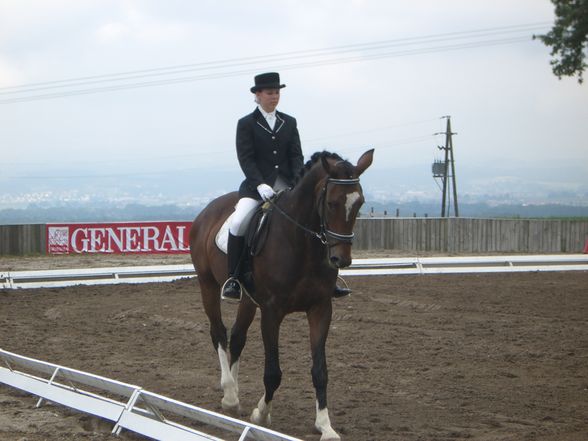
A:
(256, 233)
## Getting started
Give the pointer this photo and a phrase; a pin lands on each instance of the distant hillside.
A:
(137, 212)
(130, 212)
(478, 210)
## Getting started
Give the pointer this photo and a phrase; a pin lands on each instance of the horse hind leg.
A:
(210, 290)
(230, 401)
(230, 366)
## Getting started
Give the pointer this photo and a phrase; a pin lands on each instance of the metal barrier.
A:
(360, 267)
(133, 409)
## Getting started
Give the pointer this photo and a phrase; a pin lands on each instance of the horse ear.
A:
(326, 165)
(364, 161)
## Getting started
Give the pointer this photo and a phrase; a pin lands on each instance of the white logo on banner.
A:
(58, 240)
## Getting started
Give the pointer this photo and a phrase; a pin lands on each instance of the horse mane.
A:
(316, 157)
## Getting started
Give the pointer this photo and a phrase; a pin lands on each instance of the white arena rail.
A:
(468, 264)
(360, 267)
(94, 276)
(133, 409)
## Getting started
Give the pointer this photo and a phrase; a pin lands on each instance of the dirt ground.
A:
(453, 357)
(66, 261)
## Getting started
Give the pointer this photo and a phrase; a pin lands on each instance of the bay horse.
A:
(308, 241)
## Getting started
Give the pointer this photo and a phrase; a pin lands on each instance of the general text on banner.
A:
(119, 238)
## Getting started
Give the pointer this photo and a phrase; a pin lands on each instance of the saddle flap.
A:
(222, 237)
(258, 229)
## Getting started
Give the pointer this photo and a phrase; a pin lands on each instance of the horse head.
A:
(340, 199)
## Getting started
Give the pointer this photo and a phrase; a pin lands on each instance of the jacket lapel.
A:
(262, 122)
(279, 123)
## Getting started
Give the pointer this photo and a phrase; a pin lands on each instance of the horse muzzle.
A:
(340, 261)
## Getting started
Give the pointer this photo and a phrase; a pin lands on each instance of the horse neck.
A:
(301, 204)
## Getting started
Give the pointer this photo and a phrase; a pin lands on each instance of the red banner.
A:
(119, 237)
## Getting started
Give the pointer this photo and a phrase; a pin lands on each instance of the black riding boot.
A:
(341, 292)
(231, 290)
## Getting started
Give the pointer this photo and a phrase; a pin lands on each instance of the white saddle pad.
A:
(222, 237)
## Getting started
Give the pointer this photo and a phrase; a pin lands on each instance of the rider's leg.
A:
(231, 288)
(236, 246)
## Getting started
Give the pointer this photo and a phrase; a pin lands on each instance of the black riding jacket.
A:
(264, 153)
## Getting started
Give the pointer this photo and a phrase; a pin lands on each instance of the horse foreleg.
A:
(319, 320)
(272, 377)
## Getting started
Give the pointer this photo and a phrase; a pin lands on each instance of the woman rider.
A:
(269, 153)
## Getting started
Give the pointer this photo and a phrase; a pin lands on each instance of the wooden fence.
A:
(22, 239)
(466, 235)
(449, 235)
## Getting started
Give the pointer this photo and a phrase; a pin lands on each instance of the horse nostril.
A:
(335, 261)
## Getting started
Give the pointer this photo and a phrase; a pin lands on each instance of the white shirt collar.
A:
(270, 118)
(266, 114)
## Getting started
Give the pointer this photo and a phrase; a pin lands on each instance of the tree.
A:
(568, 38)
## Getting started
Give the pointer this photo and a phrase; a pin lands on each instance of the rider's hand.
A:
(265, 191)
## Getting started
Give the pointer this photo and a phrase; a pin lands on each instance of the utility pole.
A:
(446, 169)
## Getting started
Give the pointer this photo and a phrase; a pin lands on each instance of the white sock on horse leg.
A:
(323, 424)
(261, 414)
(230, 398)
(235, 375)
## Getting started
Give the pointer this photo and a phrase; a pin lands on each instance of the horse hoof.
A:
(232, 407)
(258, 419)
(330, 435)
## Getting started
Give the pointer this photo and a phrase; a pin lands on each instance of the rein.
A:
(324, 234)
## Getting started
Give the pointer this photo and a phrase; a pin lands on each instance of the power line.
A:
(301, 59)
(220, 75)
(273, 57)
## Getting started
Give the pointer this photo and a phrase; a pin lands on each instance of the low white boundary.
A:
(360, 267)
(136, 409)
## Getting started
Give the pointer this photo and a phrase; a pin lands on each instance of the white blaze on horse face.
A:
(352, 198)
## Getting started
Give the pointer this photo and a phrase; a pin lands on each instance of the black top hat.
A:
(270, 80)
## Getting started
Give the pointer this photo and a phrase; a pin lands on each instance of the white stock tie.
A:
(271, 120)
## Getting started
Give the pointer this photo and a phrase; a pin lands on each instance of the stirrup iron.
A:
(232, 299)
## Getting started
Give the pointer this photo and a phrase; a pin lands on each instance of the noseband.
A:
(324, 234)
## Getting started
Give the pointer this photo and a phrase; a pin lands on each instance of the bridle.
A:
(325, 233)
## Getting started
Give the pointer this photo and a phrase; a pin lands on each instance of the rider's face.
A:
(268, 99)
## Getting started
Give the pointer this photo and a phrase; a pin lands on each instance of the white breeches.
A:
(243, 212)
(245, 209)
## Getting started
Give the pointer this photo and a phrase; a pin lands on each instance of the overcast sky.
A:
(157, 87)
